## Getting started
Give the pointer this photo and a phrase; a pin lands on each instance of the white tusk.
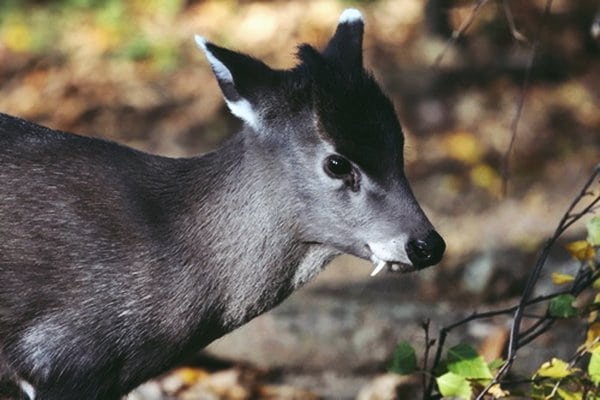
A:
(378, 267)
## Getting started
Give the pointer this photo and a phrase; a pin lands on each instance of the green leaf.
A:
(464, 360)
(404, 360)
(496, 364)
(562, 306)
(555, 369)
(593, 229)
(594, 367)
(453, 385)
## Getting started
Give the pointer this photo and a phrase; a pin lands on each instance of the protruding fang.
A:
(378, 267)
(395, 267)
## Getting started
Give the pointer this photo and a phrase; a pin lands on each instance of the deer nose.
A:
(425, 252)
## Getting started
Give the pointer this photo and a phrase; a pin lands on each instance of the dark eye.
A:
(338, 167)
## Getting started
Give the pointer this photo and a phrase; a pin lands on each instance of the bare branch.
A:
(511, 24)
(514, 126)
(461, 30)
(583, 280)
(428, 343)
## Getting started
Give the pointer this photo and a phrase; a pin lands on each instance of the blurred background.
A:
(129, 71)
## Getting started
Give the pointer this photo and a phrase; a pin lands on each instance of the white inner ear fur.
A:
(350, 15)
(243, 110)
(27, 388)
(240, 108)
(220, 70)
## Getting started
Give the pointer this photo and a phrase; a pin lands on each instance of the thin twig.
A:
(516, 339)
(425, 325)
(476, 316)
(519, 339)
(546, 324)
(514, 126)
(460, 31)
(511, 24)
(436, 360)
(554, 389)
(565, 222)
(533, 327)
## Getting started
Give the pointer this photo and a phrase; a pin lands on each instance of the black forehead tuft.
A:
(354, 114)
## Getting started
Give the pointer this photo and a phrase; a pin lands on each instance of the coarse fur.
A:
(115, 264)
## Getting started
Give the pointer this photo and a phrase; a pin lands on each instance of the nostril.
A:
(425, 252)
(421, 249)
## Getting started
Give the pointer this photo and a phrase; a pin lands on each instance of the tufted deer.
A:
(115, 264)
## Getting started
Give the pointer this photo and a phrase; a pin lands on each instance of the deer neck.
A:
(239, 238)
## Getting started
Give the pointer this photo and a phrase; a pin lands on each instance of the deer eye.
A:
(338, 167)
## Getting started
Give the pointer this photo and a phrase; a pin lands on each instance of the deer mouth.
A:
(393, 266)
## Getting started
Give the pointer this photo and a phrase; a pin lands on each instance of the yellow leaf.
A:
(189, 376)
(463, 146)
(596, 284)
(16, 35)
(561, 279)
(594, 313)
(556, 369)
(486, 177)
(497, 392)
(592, 340)
(581, 250)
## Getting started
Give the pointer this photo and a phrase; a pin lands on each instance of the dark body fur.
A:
(102, 253)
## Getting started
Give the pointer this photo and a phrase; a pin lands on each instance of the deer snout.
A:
(427, 251)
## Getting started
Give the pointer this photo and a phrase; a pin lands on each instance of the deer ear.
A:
(345, 47)
(240, 77)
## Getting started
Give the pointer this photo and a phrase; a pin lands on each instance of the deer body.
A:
(115, 264)
(134, 273)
